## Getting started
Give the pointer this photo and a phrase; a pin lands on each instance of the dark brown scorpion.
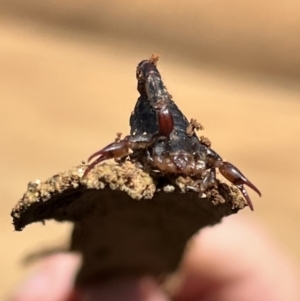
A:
(159, 140)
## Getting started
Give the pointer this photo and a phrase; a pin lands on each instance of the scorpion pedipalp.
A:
(232, 174)
(114, 150)
(120, 149)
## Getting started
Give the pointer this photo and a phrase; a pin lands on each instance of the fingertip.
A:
(237, 260)
(52, 280)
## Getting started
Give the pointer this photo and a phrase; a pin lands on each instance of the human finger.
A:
(51, 281)
(54, 280)
(237, 260)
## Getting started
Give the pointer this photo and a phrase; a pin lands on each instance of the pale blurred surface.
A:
(66, 93)
(261, 36)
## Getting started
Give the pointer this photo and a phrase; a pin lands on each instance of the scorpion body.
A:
(156, 114)
(159, 139)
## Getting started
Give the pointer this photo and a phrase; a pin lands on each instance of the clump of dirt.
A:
(125, 221)
(205, 141)
(193, 125)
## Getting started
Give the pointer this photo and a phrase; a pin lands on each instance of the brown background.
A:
(67, 85)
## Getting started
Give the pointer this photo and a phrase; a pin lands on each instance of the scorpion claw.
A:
(92, 165)
(232, 174)
(99, 153)
(113, 150)
(246, 196)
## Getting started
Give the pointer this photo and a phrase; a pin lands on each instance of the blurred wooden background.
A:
(67, 78)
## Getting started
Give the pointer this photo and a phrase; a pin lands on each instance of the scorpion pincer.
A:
(159, 140)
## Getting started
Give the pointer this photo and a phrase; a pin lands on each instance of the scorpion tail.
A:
(232, 174)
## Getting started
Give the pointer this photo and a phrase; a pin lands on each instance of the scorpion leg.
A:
(208, 180)
(232, 174)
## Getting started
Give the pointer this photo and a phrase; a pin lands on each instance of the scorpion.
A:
(159, 140)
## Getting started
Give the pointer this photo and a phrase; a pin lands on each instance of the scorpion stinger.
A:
(232, 174)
